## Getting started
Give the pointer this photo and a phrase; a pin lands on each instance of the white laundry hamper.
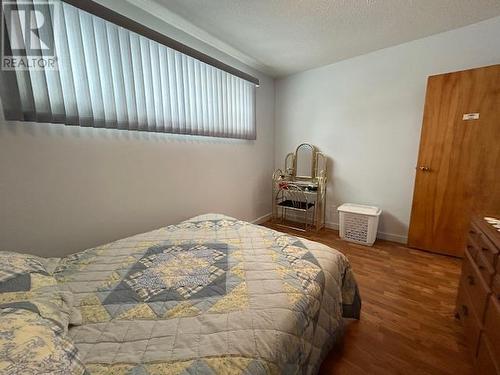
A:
(359, 223)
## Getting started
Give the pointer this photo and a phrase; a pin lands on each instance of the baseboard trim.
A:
(381, 235)
(262, 219)
(335, 226)
(393, 237)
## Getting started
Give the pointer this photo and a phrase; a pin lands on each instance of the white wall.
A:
(365, 113)
(65, 189)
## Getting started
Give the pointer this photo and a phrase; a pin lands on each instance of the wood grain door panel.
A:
(463, 158)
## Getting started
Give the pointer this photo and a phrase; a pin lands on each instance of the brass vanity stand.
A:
(301, 188)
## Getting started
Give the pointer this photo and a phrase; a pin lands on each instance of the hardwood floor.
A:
(407, 323)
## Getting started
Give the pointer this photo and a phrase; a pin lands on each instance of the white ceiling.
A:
(288, 36)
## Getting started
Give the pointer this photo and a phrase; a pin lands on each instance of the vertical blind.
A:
(110, 77)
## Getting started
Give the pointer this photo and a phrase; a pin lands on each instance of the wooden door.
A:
(458, 168)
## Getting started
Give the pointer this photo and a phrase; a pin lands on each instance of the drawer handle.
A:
(471, 279)
(481, 267)
(485, 249)
(465, 310)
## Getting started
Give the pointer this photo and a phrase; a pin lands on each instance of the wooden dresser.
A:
(478, 301)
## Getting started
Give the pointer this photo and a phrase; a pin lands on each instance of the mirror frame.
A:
(321, 160)
(290, 165)
(313, 162)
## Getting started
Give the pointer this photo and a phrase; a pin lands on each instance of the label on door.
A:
(470, 116)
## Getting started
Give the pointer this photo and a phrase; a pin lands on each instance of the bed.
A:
(211, 295)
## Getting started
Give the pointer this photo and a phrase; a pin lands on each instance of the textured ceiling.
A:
(288, 36)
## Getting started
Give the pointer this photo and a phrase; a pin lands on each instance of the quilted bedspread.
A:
(211, 295)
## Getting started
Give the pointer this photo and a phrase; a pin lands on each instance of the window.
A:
(108, 76)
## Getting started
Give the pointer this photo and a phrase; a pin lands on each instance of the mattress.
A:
(211, 295)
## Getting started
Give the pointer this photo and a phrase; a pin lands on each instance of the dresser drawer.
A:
(473, 283)
(495, 285)
(486, 363)
(492, 325)
(473, 245)
(488, 249)
(474, 231)
(473, 240)
(468, 318)
(485, 268)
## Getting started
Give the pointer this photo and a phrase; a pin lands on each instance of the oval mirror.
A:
(304, 159)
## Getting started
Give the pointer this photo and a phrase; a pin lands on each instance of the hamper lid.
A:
(360, 209)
